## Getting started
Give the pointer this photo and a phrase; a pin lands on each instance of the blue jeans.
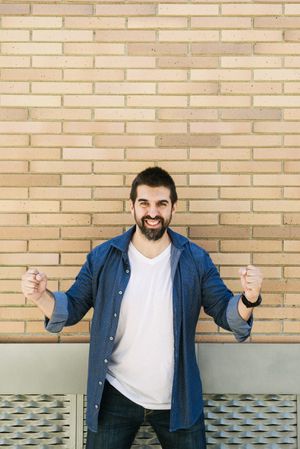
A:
(120, 420)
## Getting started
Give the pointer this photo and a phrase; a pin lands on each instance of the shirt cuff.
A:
(60, 313)
(238, 325)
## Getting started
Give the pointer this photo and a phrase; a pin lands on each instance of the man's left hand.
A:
(251, 280)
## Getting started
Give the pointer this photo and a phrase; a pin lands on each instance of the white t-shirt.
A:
(142, 362)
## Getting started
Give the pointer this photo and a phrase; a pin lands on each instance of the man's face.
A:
(152, 211)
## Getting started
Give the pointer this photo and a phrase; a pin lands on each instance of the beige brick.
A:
(292, 35)
(91, 232)
(59, 220)
(291, 219)
(60, 167)
(251, 114)
(277, 259)
(13, 192)
(13, 166)
(58, 246)
(14, 88)
(29, 232)
(291, 192)
(126, 10)
(61, 88)
(220, 22)
(61, 140)
(31, 49)
(94, 153)
(29, 206)
(13, 140)
(13, 114)
(292, 166)
(60, 114)
(188, 114)
(256, 9)
(14, 35)
(187, 10)
(93, 100)
(280, 232)
(124, 114)
(30, 100)
(251, 36)
(276, 22)
(291, 246)
(220, 180)
(251, 140)
(92, 180)
(292, 88)
(93, 49)
(251, 88)
(291, 9)
(188, 36)
(68, 259)
(219, 153)
(104, 193)
(14, 8)
(125, 61)
(268, 272)
(276, 180)
(125, 88)
(220, 74)
(94, 127)
(220, 127)
(156, 75)
(291, 326)
(157, 100)
(12, 299)
(231, 258)
(156, 127)
(221, 48)
(62, 35)
(292, 61)
(14, 61)
(251, 219)
(28, 259)
(59, 193)
(31, 22)
(251, 246)
(112, 219)
(29, 127)
(125, 35)
(62, 61)
(250, 166)
(156, 154)
(283, 48)
(276, 205)
(157, 22)
(92, 206)
(291, 141)
(9, 327)
(264, 327)
(189, 166)
(93, 75)
(29, 153)
(220, 232)
(188, 88)
(276, 153)
(276, 74)
(219, 206)
(13, 246)
(62, 10)
(124, 141)
(250, 61)
(95, 23)
(187, 62)
(157, 48)
(31, 74)
(276, 127)
(220, 101)
(119, 167)
(292, 299)
(250, 192)
(186, 140)
(9, 219)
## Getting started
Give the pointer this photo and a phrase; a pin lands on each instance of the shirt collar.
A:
(122, 241)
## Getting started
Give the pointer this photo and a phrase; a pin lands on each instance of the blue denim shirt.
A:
(101, 284)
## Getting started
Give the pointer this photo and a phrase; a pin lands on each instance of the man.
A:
(146, 287)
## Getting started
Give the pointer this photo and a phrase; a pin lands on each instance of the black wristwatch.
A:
(249, 304)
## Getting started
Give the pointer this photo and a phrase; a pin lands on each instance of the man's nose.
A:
(152, 211)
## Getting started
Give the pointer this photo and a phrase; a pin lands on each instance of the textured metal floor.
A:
(232, 422)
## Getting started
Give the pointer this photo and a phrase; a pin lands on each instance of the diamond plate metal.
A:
(39, 421)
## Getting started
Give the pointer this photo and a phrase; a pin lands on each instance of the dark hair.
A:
(154, 177)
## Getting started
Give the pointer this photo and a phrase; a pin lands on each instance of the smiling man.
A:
(147, 287)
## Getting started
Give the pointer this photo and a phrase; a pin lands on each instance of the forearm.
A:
(244, 311)
(46, 303)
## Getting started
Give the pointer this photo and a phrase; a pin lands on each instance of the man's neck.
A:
(150, 248)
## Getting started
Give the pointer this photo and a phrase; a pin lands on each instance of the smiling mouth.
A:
(152, 222)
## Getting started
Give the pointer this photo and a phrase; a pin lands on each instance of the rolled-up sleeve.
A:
(60, 313)
(240, 328)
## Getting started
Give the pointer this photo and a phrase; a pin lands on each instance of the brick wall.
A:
(93, 92)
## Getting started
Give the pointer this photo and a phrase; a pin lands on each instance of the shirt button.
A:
(96, 407)
(120, 292)
(127, 271)
(111, 338)
(105, 361)
(100, 383)
(115, 315)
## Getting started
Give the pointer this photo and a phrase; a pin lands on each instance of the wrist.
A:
(249, 303)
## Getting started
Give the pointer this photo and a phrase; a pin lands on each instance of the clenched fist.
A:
(251, 280)
(34, 284)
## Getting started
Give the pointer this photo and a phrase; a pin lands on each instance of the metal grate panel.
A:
(40, 421)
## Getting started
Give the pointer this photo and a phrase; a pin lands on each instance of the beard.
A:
(149, 233)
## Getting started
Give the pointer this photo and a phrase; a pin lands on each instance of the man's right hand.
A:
(34, 284)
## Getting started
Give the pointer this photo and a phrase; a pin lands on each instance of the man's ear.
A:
(131, 205)
(174, 207)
